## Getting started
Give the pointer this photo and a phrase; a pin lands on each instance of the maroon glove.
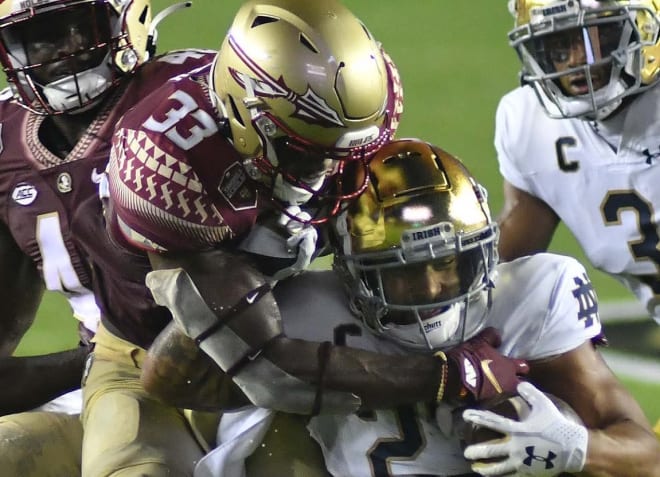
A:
(484, 373)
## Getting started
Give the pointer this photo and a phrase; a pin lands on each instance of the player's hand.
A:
(543, 443)
(302, 240)
(484, 373)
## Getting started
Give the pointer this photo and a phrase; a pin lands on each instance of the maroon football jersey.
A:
(176, 182)
(45, 199)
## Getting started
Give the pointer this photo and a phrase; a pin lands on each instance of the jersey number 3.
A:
(647, 247)
(177, 126)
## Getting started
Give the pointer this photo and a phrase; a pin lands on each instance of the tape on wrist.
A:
(250, 298)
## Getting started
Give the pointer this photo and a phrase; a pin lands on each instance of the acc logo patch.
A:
(236, 189)
(24, 193)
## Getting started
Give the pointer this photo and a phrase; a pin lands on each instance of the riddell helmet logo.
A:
(361, 141)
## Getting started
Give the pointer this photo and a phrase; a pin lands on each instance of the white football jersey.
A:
(542, 305)
(601, 178)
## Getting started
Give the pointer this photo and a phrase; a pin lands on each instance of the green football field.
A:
(454, 63)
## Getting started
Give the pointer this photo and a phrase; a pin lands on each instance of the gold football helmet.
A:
(304, 87)
(61, 56)
(584, 56)
(418, 247)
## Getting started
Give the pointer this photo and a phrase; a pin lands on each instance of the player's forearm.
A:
(380, 381)
(244, 337)
(621, 450)
(178, 373)
(385, 381)
(28, 382)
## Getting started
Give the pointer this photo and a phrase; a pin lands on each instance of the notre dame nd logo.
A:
(532, 458)
(586, 296)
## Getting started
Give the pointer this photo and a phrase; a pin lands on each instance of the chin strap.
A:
(292, 237)
(301, 243)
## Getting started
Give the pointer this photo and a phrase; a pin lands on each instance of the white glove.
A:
(543, 443)
(303, 238)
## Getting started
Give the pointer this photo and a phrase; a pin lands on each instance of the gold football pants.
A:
(128, 433)
(40, 444)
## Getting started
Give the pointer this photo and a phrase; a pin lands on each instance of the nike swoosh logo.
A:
(250, 299)
(96, 177)
(485, 367)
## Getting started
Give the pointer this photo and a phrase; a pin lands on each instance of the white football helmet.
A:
(304, 87)
(62, 56)
(583, 57)
(417, 250)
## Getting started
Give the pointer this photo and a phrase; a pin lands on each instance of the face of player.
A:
(420, 284)
(578, 47)
(63, 43)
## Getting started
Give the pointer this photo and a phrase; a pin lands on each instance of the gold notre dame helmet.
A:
(422, 205)
(304, 81)
(620, 37)
(109, 38)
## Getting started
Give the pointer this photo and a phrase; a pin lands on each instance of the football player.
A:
(417, 258)
(300, 92)
(73, 68)
(585, 122)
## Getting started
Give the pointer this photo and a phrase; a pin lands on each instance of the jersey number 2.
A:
(411, 441)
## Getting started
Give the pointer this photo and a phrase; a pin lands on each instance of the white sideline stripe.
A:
(635, 367)
(622, 310)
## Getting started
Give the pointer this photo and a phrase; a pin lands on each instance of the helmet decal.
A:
(309, 96)
(310, 107)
